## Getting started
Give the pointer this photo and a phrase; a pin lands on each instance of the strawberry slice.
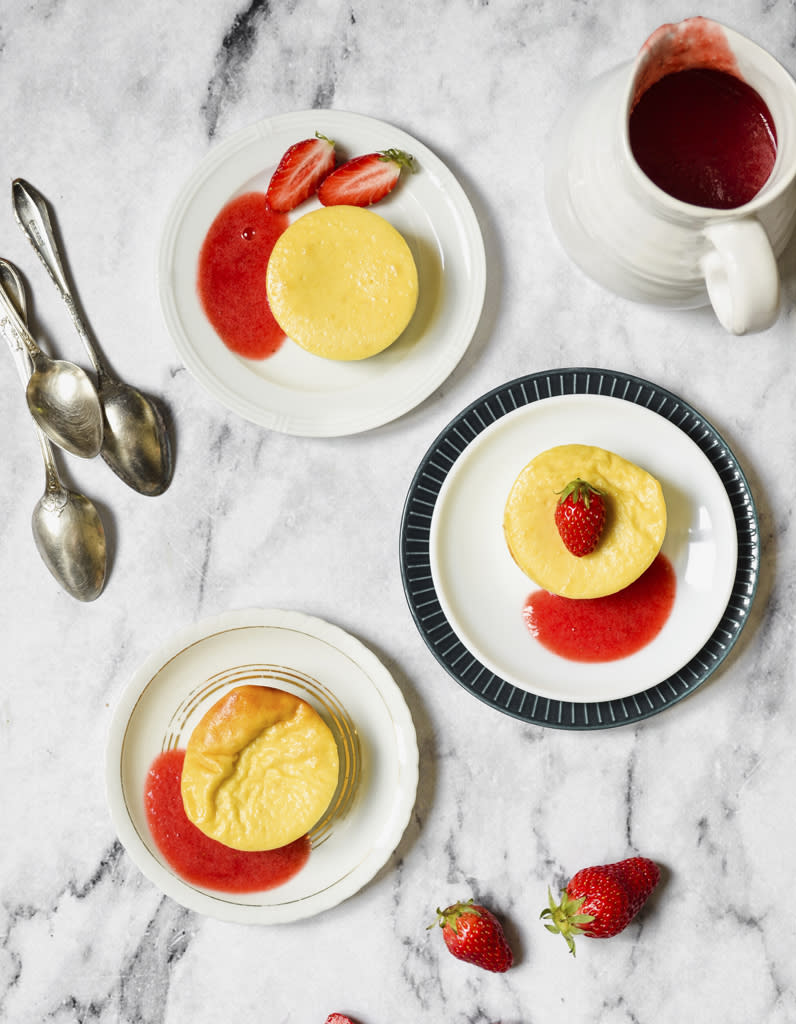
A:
(300, 172)
(365, 179)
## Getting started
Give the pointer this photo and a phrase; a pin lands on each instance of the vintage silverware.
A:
(136, 442)
(67, 529)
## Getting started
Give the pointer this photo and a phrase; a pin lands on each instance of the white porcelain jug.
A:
(638, 241)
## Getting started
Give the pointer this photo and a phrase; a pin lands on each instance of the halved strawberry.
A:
(299, 173)
(365, 179)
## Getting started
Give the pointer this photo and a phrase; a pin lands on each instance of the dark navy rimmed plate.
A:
(465, 593)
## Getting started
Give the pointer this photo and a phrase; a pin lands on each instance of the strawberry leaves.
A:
(567, 920)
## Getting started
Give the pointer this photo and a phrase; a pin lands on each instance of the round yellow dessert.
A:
(260, 769)
(342, 283)
(632, 537)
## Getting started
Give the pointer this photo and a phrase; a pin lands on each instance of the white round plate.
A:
(466, 594)
(482, 590)
(293, 391)
(344, 681)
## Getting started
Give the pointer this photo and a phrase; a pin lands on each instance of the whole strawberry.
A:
(602, 901)
(473, 934)
(580, 517)
(338, 1018)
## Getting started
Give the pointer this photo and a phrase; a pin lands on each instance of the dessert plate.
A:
(344, 681)
(293, 391)
(466, 593)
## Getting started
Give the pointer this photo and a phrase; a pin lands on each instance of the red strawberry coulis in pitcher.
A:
(696, 128)
(604, 628)
(705, 137)
(231, 279)
(200, 860)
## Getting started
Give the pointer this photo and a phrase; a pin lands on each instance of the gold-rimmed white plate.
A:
(348, 686)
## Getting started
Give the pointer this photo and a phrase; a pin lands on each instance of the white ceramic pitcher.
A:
(636, 240)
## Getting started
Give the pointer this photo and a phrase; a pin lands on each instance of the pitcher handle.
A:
(741, 275)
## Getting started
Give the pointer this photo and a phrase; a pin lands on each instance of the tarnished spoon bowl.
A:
(65, 404)
(70, 538)
(67, 529)
(61, 397)
(136, 444)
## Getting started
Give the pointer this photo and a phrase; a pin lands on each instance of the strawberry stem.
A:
(398, 156)
(565, 917)
(450, 916)
(578, 489)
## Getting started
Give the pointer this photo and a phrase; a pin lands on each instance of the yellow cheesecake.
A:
(260, 769)
(634, 529)
(342, 283)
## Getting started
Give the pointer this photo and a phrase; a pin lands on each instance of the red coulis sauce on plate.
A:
(200, 860)
(231, 278)
(604, 628)
(704, 136)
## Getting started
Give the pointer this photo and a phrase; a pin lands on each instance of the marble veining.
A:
(108, 110)
(237, 47)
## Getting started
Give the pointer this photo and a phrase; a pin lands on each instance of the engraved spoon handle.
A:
(15, 329)
(12, 290)
(33, 216)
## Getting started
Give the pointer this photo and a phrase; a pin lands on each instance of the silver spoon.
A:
(67, 529)
(136, 443)
(60, 395)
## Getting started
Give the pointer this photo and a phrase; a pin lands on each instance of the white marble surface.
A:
(108, 109)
